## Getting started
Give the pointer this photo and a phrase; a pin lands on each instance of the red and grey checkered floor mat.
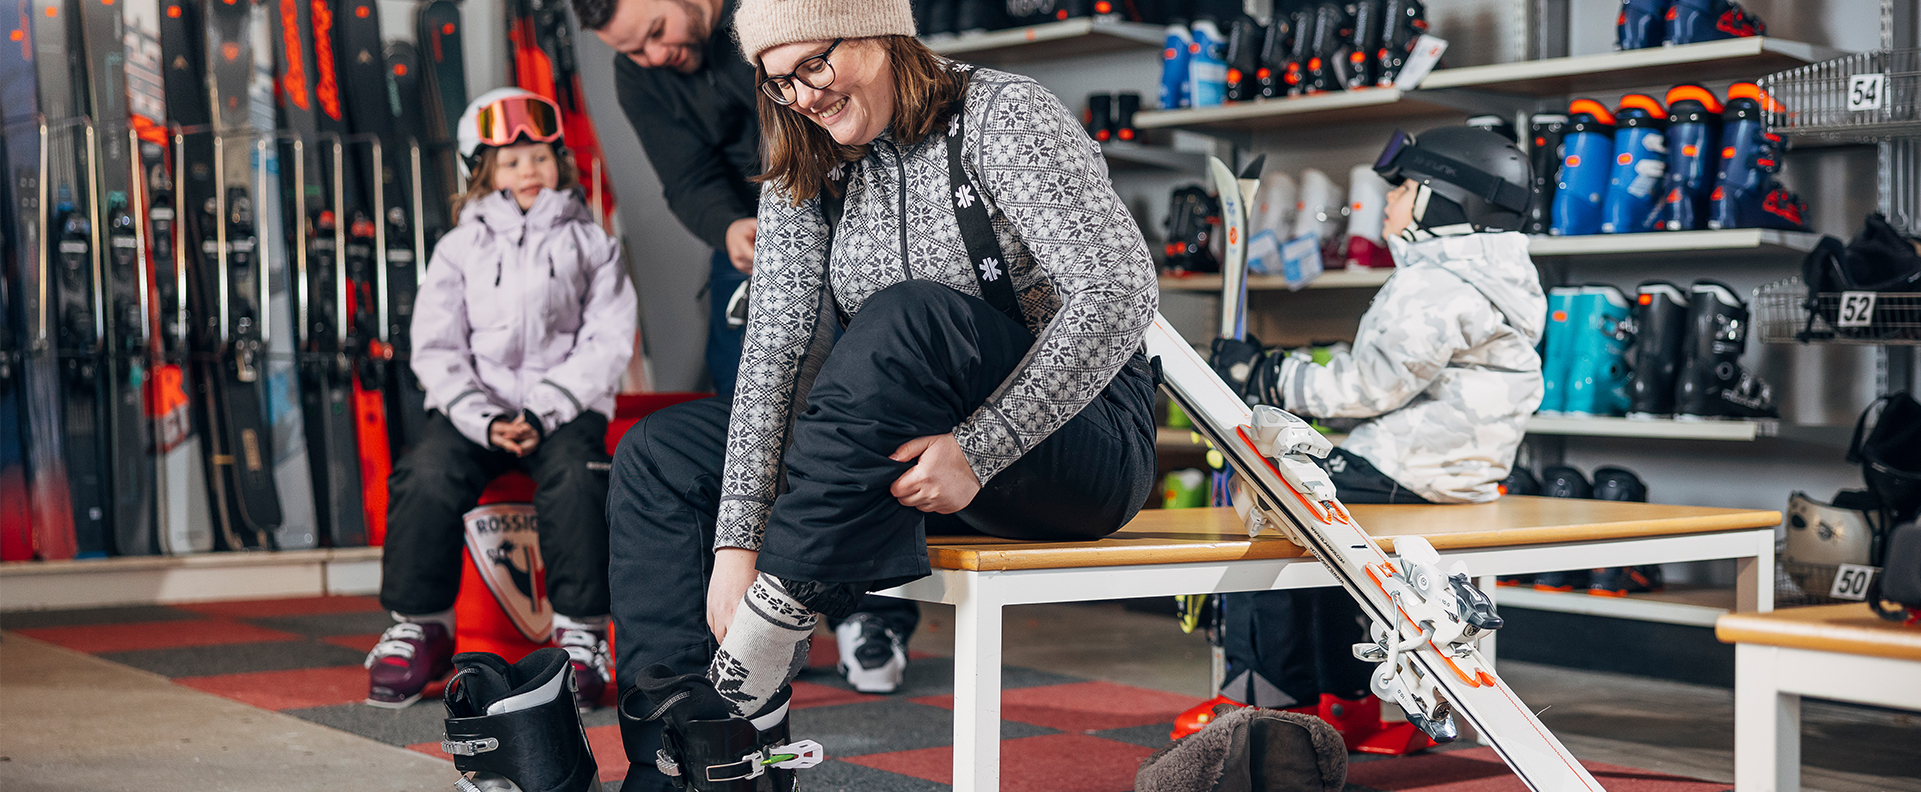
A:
(1061, 733)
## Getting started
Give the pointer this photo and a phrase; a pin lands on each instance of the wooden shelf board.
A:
(1752, 241)
(1065, 39)
(1665, 428)
(1331, 279)
(1695, 607)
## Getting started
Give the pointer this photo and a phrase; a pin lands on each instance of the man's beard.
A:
(700, 29)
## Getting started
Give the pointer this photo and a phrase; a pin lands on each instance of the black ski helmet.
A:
(1476, 177)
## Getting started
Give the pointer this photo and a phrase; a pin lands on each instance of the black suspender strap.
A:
(977, 231)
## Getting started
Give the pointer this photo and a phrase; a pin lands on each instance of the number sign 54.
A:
(1865, 91)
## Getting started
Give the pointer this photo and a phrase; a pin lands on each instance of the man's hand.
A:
(733, 574)
(516, 437)
(941, 482)
(740, 243)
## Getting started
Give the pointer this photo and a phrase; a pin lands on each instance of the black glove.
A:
(1235, 360)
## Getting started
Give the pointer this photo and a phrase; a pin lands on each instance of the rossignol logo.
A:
(503, 539)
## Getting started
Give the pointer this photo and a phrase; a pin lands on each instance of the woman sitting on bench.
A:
(957, 230)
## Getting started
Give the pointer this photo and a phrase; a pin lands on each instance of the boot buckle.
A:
(798, 755)
(666, 764)
(469, 747)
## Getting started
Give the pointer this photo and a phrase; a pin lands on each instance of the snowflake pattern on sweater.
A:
(1079, 265)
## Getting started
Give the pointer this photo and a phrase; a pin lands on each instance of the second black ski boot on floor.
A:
(1711, 381)
(704, 747)
(1660, 329)
(1620, 484)
(514, 728)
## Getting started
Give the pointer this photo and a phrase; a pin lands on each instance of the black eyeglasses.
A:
(815, 72)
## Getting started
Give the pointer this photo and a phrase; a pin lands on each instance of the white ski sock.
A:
(597, 624)
(443, 618)
(766, 646)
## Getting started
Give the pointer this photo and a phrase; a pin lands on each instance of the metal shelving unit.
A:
(1497, 84)
(1065, 39)
(1134, 156)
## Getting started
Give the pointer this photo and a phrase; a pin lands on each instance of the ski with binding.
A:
(248, 465)
(544, 62)
(71, 280)
(363, 333)
(310, 191)
(32, 372)
(117, 240)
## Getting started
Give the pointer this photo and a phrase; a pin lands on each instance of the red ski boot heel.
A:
(1359, 722)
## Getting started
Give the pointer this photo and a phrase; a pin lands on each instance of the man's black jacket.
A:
(700, 132)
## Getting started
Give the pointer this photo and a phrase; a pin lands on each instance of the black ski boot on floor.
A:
(514, 728)
(705, 748)
(1712, 383)
(1660, 328)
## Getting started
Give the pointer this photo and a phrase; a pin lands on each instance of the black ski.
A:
(19, 267)
(184, 521)
(248, 466)
(363, 335)
(130, 442)
(444, 88)
(374, 109)
(75, 322)
(310, 194)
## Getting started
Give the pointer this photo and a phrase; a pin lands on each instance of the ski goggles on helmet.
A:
(501, 123)
(1403, 158)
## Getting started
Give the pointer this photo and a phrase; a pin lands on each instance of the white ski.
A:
(1426, 619)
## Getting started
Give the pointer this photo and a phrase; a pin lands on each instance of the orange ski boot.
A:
(1361, 727)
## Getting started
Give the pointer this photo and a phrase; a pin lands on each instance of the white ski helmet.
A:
(538, 120)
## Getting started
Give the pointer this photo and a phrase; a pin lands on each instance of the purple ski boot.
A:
(587, 649)
(409, 655)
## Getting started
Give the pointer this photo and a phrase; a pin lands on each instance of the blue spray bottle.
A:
(1174, 65)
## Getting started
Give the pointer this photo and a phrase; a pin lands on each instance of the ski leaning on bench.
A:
(1426, 620)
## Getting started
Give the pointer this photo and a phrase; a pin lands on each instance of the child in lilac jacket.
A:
(521, 331)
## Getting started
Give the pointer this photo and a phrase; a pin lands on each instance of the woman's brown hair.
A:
(800, 152)
(482, 180)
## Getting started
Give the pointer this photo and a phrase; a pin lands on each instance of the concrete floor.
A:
(69, 721)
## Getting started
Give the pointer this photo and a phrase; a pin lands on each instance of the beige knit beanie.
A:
(765, 24)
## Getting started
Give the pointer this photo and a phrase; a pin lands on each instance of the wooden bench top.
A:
(1171, 536)
(1847, 629)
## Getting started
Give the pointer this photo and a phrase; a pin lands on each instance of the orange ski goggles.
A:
(504, 121)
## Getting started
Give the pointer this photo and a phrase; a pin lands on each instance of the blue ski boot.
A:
(1694, 21)
(1557, 348)
(1598, 376)
(1587, 158)
(1746, 193)
(1642, 24)
(1694, 135)
(1640, 165)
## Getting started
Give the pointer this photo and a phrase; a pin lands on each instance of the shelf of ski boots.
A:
(1067, 38)
(1316, 66)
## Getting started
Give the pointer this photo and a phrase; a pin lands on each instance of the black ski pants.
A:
(1300, 641)
(442, 478)
(917, 360)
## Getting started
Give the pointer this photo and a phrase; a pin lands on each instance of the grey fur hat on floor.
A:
(1250, 750)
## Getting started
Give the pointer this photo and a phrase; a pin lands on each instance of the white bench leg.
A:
(1754, 577)
(1767, 724)
(977, 689)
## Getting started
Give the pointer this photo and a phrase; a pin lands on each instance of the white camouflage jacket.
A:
(1079, 265)
(520, 312)
(1444, 363)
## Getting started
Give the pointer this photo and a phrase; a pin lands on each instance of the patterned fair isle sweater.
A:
(1080, 267)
